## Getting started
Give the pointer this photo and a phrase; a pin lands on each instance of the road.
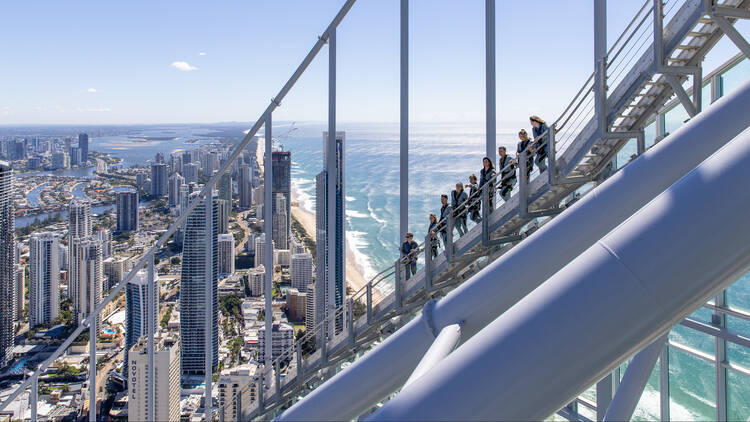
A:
(245, 230)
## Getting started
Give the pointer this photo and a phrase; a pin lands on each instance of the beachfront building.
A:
(199, 279)
(280, 226)
(282, 185)
(7, 261)
(330, 276)
(166, 392)
(127, 211)
(138, 313)
(44, 279)
(260, 250)
(301, 271)
(245, 187)
(226, 253)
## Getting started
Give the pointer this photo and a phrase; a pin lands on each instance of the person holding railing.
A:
(525, 145)
(409, 250)
(507, 173)
(541, 135)
(475, 203)
(487, 176)
(458, 199)
(432, 230)
(445, 210)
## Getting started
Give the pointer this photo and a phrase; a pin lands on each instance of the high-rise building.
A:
(83, 145)
(173, 190)
(302, 271)
(137, 313)
(44, 279)
(280, 226)
(256, 280)
(310, 308)
(225, 187)
(115, 269)
(60, 160)
(86, 272)
(166, 392)
(158, 180)
(282, 180)
(159, 158)
(237, 390)
(127, 211)
(105, 236)
(200, 274)
(282, 339)
(224, 209)
(79, 219)
(260, 250)
(190, 172)
(140, 181)
(7, 265)
(245, 187)
(75, 156)
(226, 254)
(330, 281)
(20, 290)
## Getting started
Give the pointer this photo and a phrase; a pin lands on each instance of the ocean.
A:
(439, 156)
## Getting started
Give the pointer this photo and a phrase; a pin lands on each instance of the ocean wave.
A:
(357, 243)
(356, 214)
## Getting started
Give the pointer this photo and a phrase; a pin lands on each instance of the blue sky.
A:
(94, 62)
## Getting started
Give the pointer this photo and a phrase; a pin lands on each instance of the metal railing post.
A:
(300, 367)
(428, 263)
(449, 237)
(658, 34)
(261, 389)
(324, 345)
(397, 284)
(277, 369)
(552, 156)
(34, 396)
(350, 322)
(485, 215)
(151, 300)
(368, 293)
(640, 143)
(92, 350)
(523, 186)
(404, 122)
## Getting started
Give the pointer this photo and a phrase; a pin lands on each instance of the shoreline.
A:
(354, 273)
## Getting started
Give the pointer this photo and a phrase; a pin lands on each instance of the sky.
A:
(95, 62)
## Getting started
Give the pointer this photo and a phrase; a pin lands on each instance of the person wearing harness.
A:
(458, 199)
(524, 145)
(476, 203)
(445, 211)
(507, 168)
(541, 136)
(485, 176)
(434, 243)
(409, 251)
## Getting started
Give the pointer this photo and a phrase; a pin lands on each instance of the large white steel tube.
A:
(444, 343)
(623, 292)
(504, 282)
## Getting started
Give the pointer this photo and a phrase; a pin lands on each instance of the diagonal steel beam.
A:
(732, 33)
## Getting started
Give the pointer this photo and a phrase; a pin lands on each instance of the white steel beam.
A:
(490, 75)
(444, 343)
(404, 125)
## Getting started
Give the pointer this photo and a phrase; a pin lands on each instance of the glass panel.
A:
(738, 355)
(738, 396)
(627, 153)
(650, 135)
(735, 76)
(738, 294)
(706, 96)
(739, 326)
(702, 315)
(675, 118)
(649, 406)
(692, 387)
(693, 339)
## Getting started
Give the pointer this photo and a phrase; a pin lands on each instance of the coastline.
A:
(354, 273)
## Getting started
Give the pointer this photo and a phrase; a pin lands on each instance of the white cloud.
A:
(202, 53)
(93, 110)
(91, 90)
(183, 66)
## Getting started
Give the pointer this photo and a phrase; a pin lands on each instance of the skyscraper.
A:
(224, 209)
(20, 286)
(282, 181)
(166, 380)
(200, 273)
(225, 187)
(330, 284)
(79, 219)
(302, 265)
(280, 230)
(83, 145)
(256, 278)
(245, 187)
(158, 180)
(190, 171)
(7, 265)
(226, 254)
(173, 190)
(137, 311)
(86, 271)
(127, 211)
(44, 279)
